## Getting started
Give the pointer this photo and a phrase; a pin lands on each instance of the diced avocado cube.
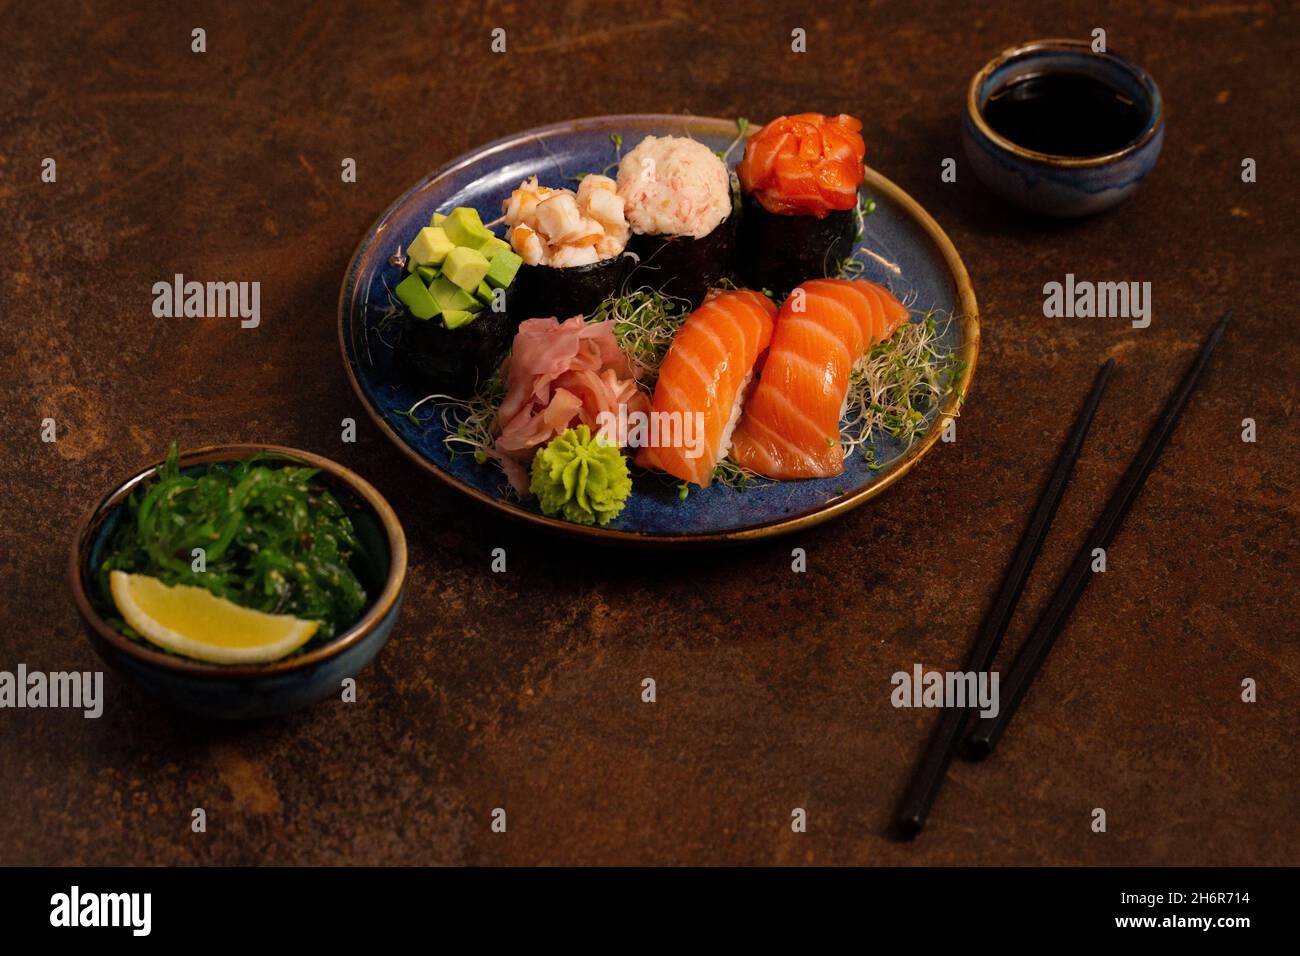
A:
(466, 267)
(484, 294)
(427, 273)
(415, 296)
(465, 228)
(449, 296)
(502, 269)
(493, 246)
(430, 247)
(437, 219)
(455, 318)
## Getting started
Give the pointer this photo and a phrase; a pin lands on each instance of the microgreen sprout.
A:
(731, 475)
(466, 422)
(617, 140)
(645, 322)
(866, 206)
(896, 387)
(742, 130)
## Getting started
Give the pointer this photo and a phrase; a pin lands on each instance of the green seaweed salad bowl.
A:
(283, 532)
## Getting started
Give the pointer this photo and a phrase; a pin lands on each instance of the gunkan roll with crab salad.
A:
(571, 245)
(455, 330)
(799, 184)
(677, 196)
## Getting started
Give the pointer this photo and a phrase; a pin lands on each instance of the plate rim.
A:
(874, 181)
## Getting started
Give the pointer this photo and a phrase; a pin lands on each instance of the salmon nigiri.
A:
(791, 425)
(702, 383)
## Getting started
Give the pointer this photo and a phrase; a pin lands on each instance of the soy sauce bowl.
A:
(1057, 185)
(251, 691)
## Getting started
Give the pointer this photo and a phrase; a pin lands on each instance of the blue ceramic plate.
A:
(929, 275)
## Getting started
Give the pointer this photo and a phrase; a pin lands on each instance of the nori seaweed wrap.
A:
(543, 291)
(777, 252)
(683, 266)
(799, 182)
(454, 361)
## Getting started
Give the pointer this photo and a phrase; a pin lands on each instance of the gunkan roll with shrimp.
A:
(571, 244)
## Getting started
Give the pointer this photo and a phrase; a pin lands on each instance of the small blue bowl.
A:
(250, 691)
(1052, 185)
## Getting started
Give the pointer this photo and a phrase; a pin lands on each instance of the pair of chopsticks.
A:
(988, 731)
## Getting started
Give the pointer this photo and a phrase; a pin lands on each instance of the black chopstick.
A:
(939, 752)
(988, 730)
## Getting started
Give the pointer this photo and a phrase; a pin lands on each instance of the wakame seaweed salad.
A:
(273, 539)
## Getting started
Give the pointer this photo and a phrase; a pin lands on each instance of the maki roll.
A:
(455, 327)
(799, 184)
(571, 245)
(677, 197)
(454, 361)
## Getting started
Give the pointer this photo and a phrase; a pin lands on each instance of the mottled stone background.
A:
(522, 690)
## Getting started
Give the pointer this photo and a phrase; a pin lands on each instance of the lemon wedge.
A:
(195, 622)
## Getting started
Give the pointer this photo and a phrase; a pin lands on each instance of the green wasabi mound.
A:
(581, 478)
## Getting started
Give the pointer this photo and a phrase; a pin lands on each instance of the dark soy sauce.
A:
(1064, 114)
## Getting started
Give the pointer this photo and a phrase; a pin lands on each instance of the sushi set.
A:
(662, 329)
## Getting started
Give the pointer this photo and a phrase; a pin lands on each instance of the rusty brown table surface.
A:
(522, 690)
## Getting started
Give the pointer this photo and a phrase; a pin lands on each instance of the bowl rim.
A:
(1064, 45)
(88, 527)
